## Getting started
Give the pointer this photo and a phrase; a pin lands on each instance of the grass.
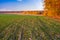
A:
(25, 27)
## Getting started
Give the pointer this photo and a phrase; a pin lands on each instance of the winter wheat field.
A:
(25, 27)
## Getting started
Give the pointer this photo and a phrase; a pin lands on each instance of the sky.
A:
(21, 5)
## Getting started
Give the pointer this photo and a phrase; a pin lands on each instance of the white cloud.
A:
(5, 10)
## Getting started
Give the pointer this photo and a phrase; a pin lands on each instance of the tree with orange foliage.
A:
(52, 7)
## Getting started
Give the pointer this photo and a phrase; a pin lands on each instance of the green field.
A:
(25, 27)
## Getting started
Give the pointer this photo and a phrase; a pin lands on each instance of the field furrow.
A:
(25, 27)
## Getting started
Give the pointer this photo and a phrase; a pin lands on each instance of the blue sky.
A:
(19, 5)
